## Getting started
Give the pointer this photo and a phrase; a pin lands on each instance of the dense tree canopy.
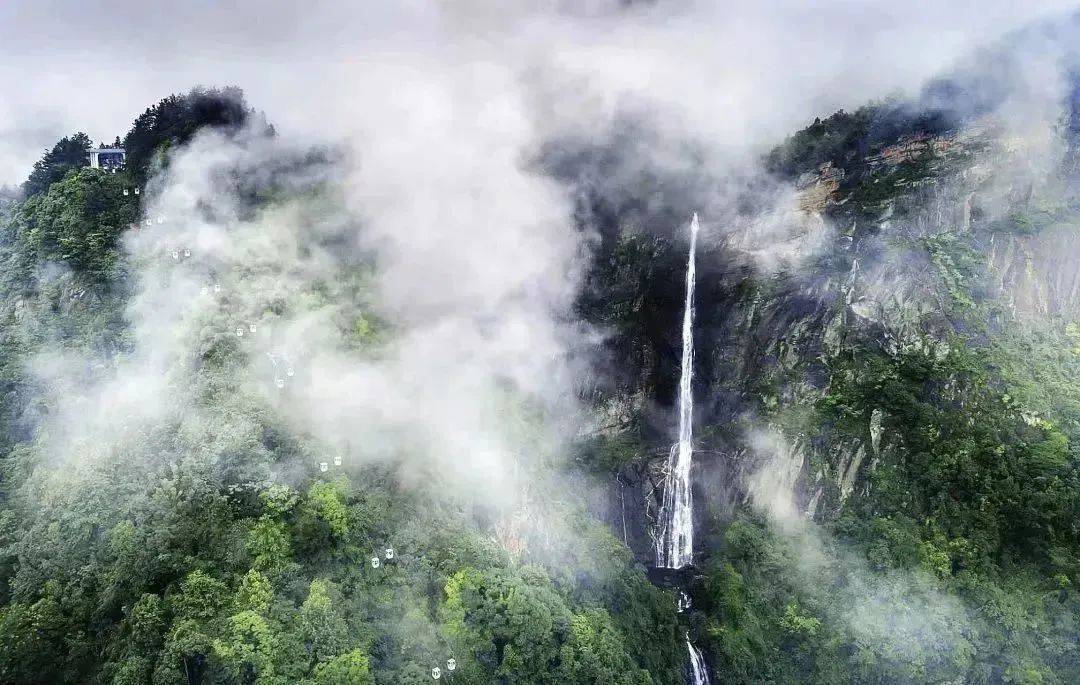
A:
(69, 153)
(78, 221)
(175, 119)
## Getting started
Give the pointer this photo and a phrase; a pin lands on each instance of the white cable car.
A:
(289, 372)
(176, 254)
(239, 332)
(187, 252)
(337, 460)
(436, 673)
(149, 222)
(389, 552)
(279, 382)
(217, 287)
(375, 562)
(451, 664)
(125, 192)
(204, 291)
(160, 220)
(323, 466)
(252, 328)
(136, 191)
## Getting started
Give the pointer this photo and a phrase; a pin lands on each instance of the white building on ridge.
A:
(108, 158)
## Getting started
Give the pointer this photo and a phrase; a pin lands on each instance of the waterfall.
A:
(675, 535)
(698, 674)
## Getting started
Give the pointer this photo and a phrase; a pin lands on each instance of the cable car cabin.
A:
(108, 158)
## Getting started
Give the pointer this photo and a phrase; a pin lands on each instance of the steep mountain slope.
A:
(888, 354)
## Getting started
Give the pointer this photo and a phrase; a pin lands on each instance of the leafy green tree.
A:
(201, 597)
(350, 668)
(254, 593)
(249, 649)
(595, 653)
(32, 641)
(69, 153)
(322, 629)
(185, 654)
(144, 634)
(323, 521)
(190, 643)
(133, 671)
(513, 626)
(269, 542)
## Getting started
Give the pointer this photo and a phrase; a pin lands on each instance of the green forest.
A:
(887, 470)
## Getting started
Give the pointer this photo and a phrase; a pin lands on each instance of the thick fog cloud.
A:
(470, 290)
(732, 71)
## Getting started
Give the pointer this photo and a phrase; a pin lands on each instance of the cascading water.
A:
(699, 675)
(675, 534)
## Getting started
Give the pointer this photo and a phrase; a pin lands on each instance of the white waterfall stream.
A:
(698, 673)
(675, 533)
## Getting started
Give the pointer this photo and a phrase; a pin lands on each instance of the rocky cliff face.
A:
(1037, 275)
